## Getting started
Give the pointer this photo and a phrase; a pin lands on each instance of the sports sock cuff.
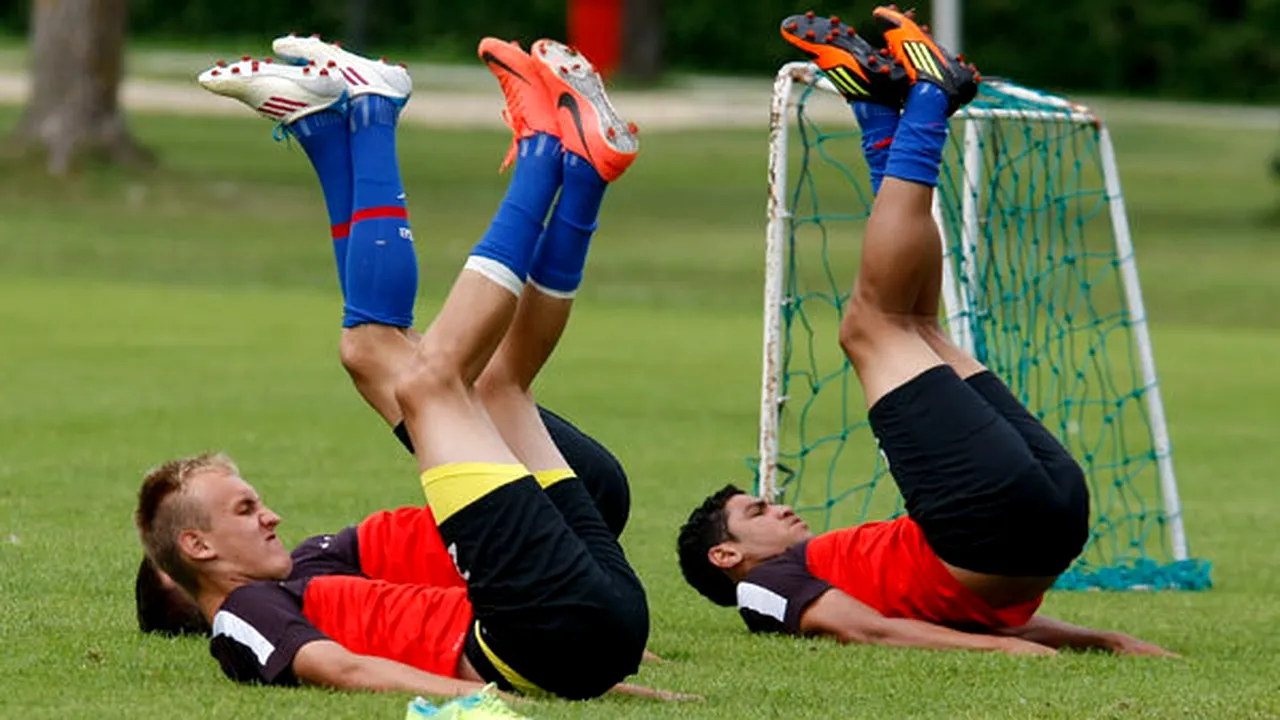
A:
(496, 272)
(547, 478)
(369, 110)
(559, 294)
(453, 486)
(309, 125)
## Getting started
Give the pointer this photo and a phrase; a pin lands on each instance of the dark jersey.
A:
(414, 611)
(888, 566)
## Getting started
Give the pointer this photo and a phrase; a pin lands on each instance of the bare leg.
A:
(447, 422)
(505, 384)
(374, 356)
(901, 256)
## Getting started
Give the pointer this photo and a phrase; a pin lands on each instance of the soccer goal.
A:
(1040, 284)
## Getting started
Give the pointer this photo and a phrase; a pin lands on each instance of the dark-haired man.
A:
(996, 507)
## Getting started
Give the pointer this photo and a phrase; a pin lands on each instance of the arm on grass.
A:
(326, 663)
(835, 614)
(1060, 634)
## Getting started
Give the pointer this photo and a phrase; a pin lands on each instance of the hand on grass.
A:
(654, 693)
(651, 657)
(1122, 644)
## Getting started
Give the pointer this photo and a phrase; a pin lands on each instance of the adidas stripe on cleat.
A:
(276, 91)
(363, 76)
(859, 71)
(589, 125)
(924, 60)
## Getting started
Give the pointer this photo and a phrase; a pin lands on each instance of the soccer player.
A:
(549, 603)
(377, 337)
(996, 507)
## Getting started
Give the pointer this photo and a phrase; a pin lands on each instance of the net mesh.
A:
(1042, 299)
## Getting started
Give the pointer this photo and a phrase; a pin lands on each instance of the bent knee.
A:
(497, 380)
(865, 327)
(427, 378)
(372, 350)
(357, 350)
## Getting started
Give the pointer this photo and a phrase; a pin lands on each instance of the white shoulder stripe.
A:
(762, 600)
(225, 623)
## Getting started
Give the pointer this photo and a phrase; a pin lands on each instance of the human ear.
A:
(724, 556)
(193, 545)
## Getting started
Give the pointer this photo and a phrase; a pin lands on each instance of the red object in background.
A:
(595, 29)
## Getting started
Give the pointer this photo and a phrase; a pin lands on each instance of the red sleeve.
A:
(772, 596)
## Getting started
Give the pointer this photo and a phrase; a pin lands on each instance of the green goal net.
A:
(1041, 285)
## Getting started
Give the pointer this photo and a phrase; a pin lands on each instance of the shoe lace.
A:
(280, 133)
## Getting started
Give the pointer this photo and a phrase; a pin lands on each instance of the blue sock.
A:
(561, 254)
(878, 123)
(916, 152)
(382, 266)
(327, 143)
(504, 253)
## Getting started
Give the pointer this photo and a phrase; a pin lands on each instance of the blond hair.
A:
(165, 510)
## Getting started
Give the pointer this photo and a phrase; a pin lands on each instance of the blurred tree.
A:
(357, 25)
(77, 60)
(643, 44)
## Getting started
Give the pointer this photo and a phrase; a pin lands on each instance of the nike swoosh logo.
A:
(570, 103)
(491, 59)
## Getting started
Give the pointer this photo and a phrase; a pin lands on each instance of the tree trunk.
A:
(357, 25)
(643, 43)
(77, 60)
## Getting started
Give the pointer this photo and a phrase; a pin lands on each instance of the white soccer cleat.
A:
(363, 76)
(275, 90)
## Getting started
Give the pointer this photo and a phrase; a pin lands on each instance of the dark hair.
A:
(708, 526)
(164, 608)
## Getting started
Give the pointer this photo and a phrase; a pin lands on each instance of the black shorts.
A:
(991, 488)
(599, 469)
(554, 598)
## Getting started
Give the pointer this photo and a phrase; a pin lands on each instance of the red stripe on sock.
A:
(379, 213)
(883, 143)
(340, 231)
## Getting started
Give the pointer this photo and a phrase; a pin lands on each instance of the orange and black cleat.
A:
(924, 59)
(859, 71)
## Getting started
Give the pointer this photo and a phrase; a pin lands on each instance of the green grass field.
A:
(144, 316)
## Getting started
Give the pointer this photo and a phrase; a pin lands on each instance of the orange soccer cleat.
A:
(859, 71)
(589, 126)
(911, 45)
(530, 107)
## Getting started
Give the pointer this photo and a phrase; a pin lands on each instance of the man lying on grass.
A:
(996, 507)
(521, 583)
